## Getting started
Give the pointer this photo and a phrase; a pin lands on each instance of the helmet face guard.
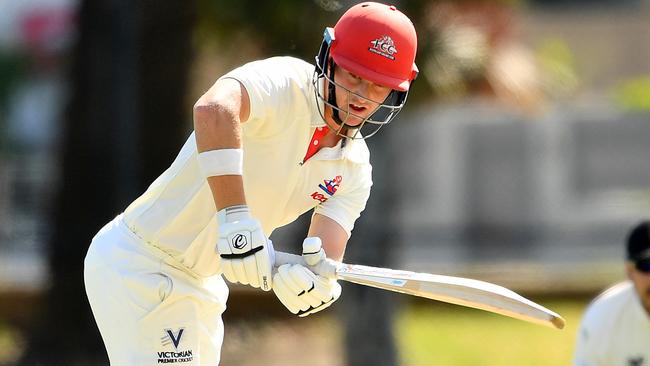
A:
(377, 43)
(383, 114)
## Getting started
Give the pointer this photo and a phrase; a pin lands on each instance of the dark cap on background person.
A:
(638, 242)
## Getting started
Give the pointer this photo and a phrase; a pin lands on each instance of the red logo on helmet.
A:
(383, 46)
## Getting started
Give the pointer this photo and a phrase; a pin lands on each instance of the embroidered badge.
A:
(329, 186)
(383, 46)
(174, 338)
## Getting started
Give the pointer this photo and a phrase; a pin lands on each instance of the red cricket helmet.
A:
(378, 43)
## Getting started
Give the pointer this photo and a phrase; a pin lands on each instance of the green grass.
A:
(451, 335)
(429, 333)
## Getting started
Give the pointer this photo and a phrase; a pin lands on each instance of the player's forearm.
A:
(332, 235)
(227, 191)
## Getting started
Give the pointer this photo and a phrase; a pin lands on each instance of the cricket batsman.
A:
(272, 139)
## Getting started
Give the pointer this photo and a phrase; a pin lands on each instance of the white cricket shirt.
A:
(177, 214)
(615, 330)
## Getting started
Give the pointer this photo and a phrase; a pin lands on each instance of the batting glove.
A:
(302, 291)
(247, 256)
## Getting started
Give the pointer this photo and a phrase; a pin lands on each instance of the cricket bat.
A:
(455, 290)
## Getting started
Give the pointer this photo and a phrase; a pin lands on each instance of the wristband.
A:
(221, 162)
(233, 213)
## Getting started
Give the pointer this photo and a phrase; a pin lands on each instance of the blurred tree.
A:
(125, 122)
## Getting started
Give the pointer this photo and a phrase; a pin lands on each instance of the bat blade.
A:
(455, 290)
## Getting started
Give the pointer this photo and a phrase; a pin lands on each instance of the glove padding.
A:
(302, 291)
(247, 256)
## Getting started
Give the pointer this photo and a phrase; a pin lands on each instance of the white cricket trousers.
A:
(148, 311)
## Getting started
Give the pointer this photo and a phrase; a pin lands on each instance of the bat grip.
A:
(326, 268)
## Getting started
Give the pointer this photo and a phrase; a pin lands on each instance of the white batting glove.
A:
(247, 256)
(302, 291)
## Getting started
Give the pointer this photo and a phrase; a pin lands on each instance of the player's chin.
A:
(354, 120)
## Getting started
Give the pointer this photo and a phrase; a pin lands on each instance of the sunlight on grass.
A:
(452, 335)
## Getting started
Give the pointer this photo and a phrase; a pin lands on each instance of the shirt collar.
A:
(355, 151)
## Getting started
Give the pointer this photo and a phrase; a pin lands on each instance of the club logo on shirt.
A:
(329, 186)
(383, 46)
(177, 356)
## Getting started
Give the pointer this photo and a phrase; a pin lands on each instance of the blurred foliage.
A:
(456, 38)
(289, 27)
(634, 94)
(558, 67)
(475, 51)
(292, 27)
(286, 26)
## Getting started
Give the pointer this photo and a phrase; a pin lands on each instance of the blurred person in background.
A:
(272, 139)
(615, 329)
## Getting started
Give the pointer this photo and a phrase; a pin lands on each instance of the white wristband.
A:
(222, 162)
(233, 213)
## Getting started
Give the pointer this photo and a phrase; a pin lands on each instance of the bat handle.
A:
(326, 268)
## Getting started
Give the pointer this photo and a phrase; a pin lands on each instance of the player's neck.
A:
(330, 139)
